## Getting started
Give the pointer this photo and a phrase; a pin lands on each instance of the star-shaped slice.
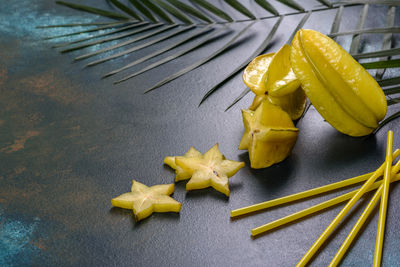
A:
(182, 174)
(210, 169)
(269, 135)
(144, 200)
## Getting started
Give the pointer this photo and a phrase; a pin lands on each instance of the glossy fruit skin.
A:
(342, 91)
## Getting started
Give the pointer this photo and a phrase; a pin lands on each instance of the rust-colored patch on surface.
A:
(40, 244)
(54, 86)
(19, 170)
(3, 76)
(19, 143)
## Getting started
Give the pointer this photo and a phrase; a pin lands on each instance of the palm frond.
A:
(238, 98)
(387, 39)
(174, 12)
(126, 9)
(293, 4)
(241, 8)
(143, 10)
(194, 35)
(190, 10)
(386, 121)
(200, 62)
(199, 21)
(112, 38)
(158, 11)
(130, 41)
(267, 6)
(136, 48)
(130, 26)
(93, 10)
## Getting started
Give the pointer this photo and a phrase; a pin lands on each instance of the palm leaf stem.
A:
(381, 53)
(200, 62)
(130, 41)
(136, 25)
(109, 39)
(386, 121)
(106, 27)
(161, 51)
(394, 63)
(136, 48)
(364, 31)
(387, 39)
(355, 42)
(172, 57)
(258, 51)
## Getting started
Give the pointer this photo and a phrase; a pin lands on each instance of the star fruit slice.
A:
(269, 135)
(254, 74)
(181, 174)
(211, 169)
(144, 200)
(342, 91)
(280, 79)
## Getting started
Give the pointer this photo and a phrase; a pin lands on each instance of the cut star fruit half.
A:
(294, 104)
(269, 135)
(271, 77)
(255, 73)
(182, 174)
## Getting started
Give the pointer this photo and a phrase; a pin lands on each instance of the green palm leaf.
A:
(137, 20)
(94, 10)
(213, 9)
(241, 8)
(143, 10)
(126, 9)
(190, 10)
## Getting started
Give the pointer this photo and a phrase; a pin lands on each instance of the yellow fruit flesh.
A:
(294, 103)
(269, 135)
(181, 174)
(144, 200)
(254, 74)
(211, 169)
(340, 89)
(280, 78)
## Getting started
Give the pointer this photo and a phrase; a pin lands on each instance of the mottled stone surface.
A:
(70, 141)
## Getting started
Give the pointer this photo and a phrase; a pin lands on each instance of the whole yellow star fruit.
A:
(342, 91)
(144, 200)
(269, 135)
(210, 169)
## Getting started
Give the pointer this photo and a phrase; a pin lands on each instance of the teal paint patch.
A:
(16, 245)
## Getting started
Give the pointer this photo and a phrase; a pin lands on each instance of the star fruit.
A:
(144, 200)
(269, 135)
(210, 169)
(181, 174)
(342, 91)
(271, 77)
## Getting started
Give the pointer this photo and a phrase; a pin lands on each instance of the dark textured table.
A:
(69, 142)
